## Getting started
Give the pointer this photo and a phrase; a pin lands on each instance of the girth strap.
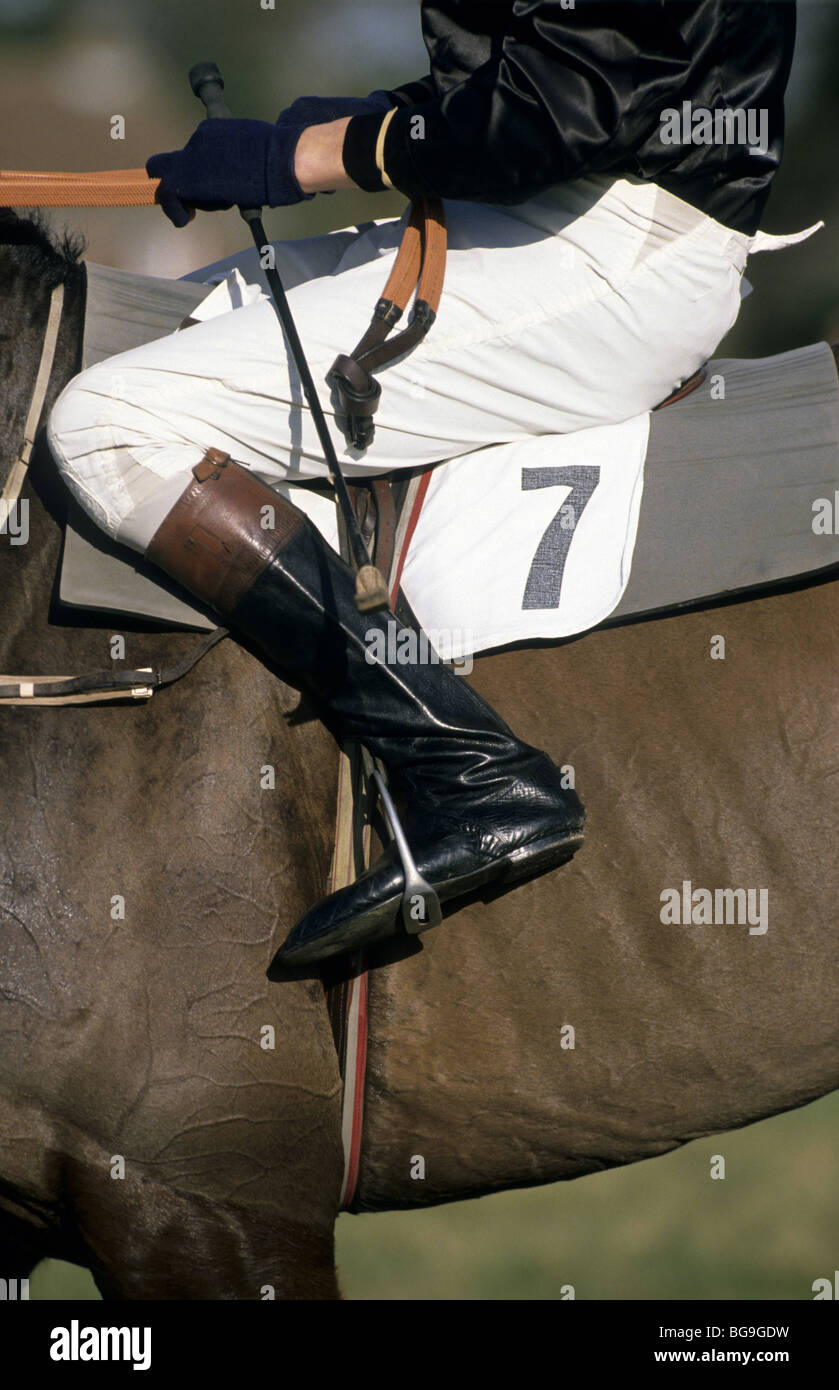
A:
(346, 992)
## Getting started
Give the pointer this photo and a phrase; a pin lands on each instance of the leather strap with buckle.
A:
(420, 264)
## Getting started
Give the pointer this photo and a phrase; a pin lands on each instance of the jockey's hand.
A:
(226, 162)
(319, 110)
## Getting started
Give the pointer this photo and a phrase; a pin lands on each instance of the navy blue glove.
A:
(318, 110)
(226, 162)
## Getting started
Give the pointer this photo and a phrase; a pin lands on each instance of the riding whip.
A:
(370, 588)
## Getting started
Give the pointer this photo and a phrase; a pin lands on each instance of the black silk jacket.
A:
(525, 94)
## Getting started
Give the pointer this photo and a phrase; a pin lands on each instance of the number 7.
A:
(544, 582)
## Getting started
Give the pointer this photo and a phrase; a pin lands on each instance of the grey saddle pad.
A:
(124, 310)
(728, 494)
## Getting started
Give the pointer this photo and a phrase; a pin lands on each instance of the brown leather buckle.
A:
(211, 465)
(357, 396)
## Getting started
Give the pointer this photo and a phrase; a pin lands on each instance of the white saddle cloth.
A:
(528, 540)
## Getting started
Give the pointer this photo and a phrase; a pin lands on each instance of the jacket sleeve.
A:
(412, 92)
(569, 93)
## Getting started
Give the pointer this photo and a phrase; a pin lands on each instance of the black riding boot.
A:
(479, 807)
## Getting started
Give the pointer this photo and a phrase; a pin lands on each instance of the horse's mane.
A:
(30, 245)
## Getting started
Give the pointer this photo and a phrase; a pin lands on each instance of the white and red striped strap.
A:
(344, 872)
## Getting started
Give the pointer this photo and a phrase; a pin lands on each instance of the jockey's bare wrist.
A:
(318, 158)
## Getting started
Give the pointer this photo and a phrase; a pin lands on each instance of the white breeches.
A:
(581, 307)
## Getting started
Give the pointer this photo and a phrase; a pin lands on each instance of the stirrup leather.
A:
(421, 258)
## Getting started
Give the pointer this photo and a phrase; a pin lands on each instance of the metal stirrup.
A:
(420, 904)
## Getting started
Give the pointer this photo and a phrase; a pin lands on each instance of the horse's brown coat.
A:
(723, 772)
(142, 1037)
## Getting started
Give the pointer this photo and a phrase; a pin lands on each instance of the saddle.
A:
(124, 310)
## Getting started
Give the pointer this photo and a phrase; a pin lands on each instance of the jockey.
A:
(604, 168)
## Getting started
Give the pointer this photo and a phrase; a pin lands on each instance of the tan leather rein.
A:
(110, 188)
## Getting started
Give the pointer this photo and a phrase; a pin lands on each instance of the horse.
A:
(171, 1118)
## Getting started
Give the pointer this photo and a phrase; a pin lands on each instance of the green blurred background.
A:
(660, 1229)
